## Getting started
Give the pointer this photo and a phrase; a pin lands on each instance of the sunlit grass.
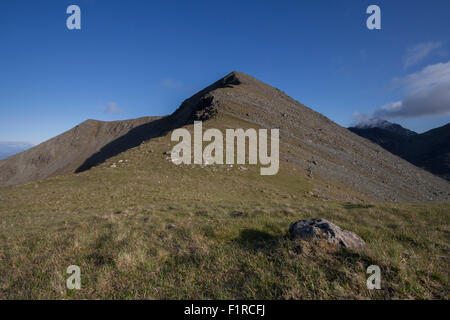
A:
(229, 241)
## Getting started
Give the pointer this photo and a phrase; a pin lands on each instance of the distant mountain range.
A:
(8, 149)
(429, 150)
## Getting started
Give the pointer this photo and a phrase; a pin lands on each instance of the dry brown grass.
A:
(113, 223)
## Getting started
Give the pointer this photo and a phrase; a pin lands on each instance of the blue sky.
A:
(137, 58)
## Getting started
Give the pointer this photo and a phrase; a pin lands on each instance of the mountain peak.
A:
(375, 123)
(310, 143)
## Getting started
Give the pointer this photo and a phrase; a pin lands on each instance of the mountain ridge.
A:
(386, 125)
(64, 153)
(309, 141)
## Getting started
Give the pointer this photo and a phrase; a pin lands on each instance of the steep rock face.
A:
(308, 140)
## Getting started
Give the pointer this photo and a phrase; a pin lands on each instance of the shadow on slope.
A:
(200, 106)
(130, 140)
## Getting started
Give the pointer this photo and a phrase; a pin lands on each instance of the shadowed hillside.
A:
(429, 150)
(66, 152)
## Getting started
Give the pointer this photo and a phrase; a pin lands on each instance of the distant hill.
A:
(65, 152)
(336, 162)
(429, 150)
(8, 149)
(386, 126)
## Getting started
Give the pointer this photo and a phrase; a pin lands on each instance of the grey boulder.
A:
(318, 228)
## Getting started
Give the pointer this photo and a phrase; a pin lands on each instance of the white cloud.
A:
(427, 93)
(112, 108)
(428, 77)
(366, 121)
(391, 107)
(419, 52)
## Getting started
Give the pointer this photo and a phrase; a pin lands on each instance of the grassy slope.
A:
(229, 241)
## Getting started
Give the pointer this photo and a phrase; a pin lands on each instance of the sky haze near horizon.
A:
(142, 58)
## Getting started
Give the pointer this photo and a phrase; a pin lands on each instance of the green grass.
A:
(213, 254)
(229, 242)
